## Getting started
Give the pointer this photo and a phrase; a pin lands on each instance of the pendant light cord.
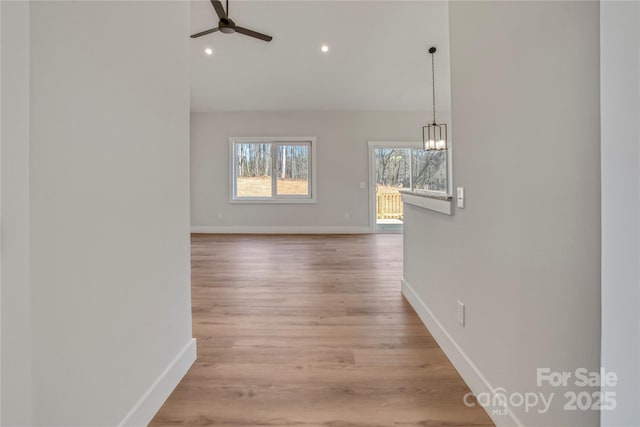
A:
(433, 85)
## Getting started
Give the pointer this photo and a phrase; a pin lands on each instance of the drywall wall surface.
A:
(524, 253)
(16, 390)
(342, 163)
(620, 97)
(109, 204)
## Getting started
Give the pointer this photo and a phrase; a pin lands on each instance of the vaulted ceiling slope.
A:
(377, 57)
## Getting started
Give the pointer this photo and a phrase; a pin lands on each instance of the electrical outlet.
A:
(461, 317)
(363, 185)
(346, 215)
(220, 215)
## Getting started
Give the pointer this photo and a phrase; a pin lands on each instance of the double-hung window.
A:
(273, 170)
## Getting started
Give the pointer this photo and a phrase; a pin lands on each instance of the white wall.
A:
(524, 254)
(342, 161)
(0, 214)
(620, 97)
(16, 297)
(109, 171)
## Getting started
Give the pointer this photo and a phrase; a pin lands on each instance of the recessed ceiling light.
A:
(208, 51)
(324, 48)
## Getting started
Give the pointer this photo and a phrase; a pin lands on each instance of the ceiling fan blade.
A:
(217, 5)
(252, 33)
(204, 33)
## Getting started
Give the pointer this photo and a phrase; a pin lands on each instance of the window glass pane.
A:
(392, 174)
(253, 170)
(292, 167)
(429, 170)
(392, 168)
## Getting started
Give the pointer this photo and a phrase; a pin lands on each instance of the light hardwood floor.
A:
(311, 331)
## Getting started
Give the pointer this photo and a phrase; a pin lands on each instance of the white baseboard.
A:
(206, 229)
(148, 405)
(469, 372)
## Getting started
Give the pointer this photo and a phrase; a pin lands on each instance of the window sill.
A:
(433, 202)
(272, 201)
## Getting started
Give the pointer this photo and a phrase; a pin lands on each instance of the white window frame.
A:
(311, 198)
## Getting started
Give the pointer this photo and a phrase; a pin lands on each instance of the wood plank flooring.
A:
(310, 331)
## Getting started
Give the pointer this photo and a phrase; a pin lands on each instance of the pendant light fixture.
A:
(434, 135)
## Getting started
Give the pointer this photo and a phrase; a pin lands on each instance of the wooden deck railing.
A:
(388, 205)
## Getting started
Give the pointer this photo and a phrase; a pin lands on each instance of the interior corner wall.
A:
(15, 298)
(620, 111)
(109, 176)
(342, 162)
(524, 253)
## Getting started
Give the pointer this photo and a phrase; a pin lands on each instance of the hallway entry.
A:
(310, 330)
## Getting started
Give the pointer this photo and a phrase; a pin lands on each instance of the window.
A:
(396, 167)
(272, 170)
(429, 171)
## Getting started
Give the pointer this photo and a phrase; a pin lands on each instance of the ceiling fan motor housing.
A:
(227, 26)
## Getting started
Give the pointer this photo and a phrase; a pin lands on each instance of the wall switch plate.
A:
(461, 319)
(363, 185)
(460, 197)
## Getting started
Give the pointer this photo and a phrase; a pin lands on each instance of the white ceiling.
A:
(378, 56)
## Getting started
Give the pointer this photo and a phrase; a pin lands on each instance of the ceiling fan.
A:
(227, 26)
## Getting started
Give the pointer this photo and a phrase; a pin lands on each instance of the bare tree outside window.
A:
(429, 170)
